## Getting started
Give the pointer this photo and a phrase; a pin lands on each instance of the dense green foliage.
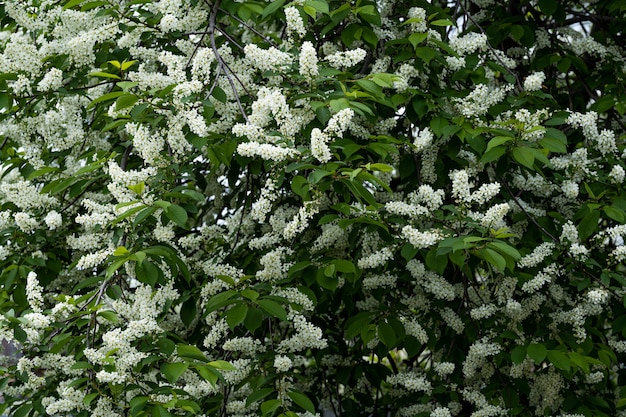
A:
(248, 208)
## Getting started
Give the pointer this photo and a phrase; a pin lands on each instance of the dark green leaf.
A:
(302, 400)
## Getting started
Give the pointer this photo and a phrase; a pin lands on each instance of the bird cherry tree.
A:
(311, 207)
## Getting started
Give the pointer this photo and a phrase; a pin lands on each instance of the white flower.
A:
(294, 22)
(342, 60)
(534, 81)
(469, 43)
(282, 363)
(51, 81)
(308, 61)
(617, 174)
(421, 239)
(423, 140)
(418, 14)
(53, 220)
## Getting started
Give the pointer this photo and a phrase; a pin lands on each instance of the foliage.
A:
(248, 208)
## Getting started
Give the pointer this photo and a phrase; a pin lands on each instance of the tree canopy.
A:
(365, 208)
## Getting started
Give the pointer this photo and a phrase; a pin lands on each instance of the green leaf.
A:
(494, 258)
(302, 400)
(220, 300)
(160, 411)
(518, 354)
(524, 156)
(223, 365)
(177, 214)
(615, 213)
(355, 324)
(72, 3)
(87, 399)
(300, 186)
(426, 53)
(125, 101)
(147, 272)
(188, 311)
(190, 352)
(497, 141)
(121, 251)
(560, 360)
(272, 7)
(386, 334)
(548, 7)
(268, 407)
(273, 308)
(579, 360)
(505, 249)
(553, 145)
(493, 154)
(173, 371)
(325, 281)
(318, 5)
(442, 22)
(343, 265)
(258, 395)
(417, 38)
(380, 167)
(250, 294)
(236, 315)
(537, 352)
(588, 225)
(127, 64)
(106, 97)
(104, 74)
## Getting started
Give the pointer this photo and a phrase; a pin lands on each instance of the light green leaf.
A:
(223, 365)
(524, 156)
(190, 352)
(173, 371)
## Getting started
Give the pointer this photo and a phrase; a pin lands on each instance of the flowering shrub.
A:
(370, 208)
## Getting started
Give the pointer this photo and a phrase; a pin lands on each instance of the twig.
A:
(491, 48)
(265, 38)
(531, 218)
